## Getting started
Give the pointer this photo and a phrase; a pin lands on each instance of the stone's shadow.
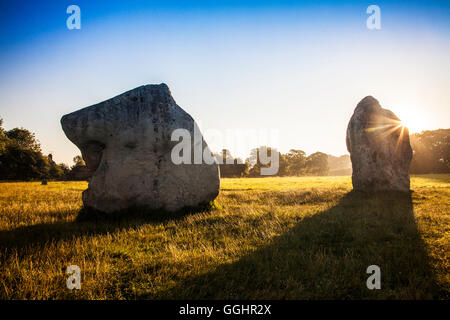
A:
(87, 214)
(90, 222)
(325, 256)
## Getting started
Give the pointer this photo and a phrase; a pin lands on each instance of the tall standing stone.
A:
(126, 143)
(379, 148)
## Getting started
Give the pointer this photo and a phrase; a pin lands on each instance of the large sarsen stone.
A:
(126, 143)
(379, 148)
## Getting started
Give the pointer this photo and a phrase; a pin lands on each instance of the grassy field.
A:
(266, 238)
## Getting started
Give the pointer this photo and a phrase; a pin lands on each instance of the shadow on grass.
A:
(325, 256)
(90, 222)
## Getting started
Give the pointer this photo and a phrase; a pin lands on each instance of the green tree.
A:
(317, 164)
(3, 138)
(282, 165)
(296, 162)
(24, 139)
(78, 161)
(21, 157)
(431, 151)
(17, 163)
(56, 171)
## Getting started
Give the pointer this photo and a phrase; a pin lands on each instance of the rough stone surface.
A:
(126, 143)
(379, 148)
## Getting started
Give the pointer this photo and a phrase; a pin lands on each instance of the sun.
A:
(414, 120)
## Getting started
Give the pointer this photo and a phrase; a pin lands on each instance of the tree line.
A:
(293, 163)
(431, 151)
(21, 158)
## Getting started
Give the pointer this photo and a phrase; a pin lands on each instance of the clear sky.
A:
(296, 67)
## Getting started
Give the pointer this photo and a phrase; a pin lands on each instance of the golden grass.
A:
(265, 238)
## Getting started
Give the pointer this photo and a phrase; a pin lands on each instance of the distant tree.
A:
(56, 171)
(293, 163)
(24, 139)
(79, 170)
(431, 151)
(317, 164)
(17, 163)
(283, 163)
(3, 138)
(296, 162)
(339, 166)
(65, 169)
(21, 157)
(78, 161)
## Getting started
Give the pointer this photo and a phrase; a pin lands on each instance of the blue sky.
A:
(293, 66)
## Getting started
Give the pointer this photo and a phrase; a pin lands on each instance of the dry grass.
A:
(266, 238)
